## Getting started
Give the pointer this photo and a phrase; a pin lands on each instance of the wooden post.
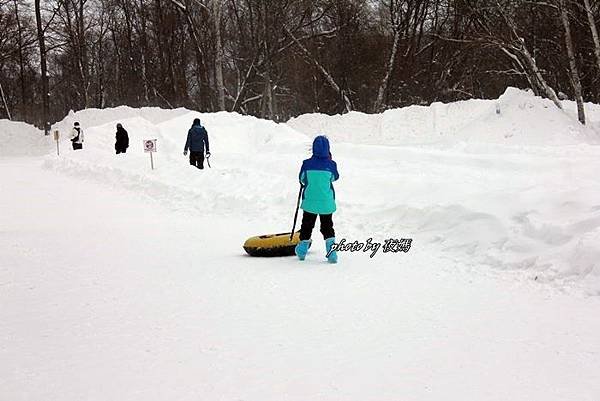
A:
(56, 138)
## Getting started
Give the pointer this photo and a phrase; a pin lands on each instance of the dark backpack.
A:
(77, 137)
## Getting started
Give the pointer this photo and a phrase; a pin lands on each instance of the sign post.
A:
(56, 138)
(150, 147)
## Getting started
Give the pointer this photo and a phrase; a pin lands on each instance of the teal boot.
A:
(302, 248)
(331, 255)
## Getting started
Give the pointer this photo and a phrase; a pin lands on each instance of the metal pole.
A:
(151, 161)
(296, 214)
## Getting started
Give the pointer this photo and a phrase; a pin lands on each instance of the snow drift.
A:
(21, 139)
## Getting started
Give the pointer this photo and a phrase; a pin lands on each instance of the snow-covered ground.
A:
(119, 282)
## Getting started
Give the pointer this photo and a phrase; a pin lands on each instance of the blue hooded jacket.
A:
(197, 138)
(317, 175)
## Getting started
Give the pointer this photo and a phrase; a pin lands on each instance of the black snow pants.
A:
(308, 223)
(197, 159)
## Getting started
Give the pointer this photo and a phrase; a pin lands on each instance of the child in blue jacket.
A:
(317, 176)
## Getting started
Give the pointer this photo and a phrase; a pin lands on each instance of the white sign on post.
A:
(150, 147)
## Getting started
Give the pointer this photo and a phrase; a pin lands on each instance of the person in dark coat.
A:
(122, 139)
(197, 141)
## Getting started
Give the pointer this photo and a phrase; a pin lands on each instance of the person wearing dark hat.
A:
(122, 139)
(77, 137)
(197, 141)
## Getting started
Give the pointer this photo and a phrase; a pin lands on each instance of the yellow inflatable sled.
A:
(272, 245)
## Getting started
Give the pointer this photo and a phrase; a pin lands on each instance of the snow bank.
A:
(513, 191)
(95, 117)
(248, 152)
(516, 118)
(21, 139)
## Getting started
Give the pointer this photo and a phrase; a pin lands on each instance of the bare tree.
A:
(277, 59)
(343, 95)
(200, 56)
(594, 31)
(502, 32)
(44, 68)
(395, 16)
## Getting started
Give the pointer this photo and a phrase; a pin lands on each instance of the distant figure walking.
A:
(77, 137)
(122, 139)
(197, 140)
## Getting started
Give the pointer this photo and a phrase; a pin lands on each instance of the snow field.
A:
(106, 296)
(121, 282)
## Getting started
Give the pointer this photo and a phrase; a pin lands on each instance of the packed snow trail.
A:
(106, 294)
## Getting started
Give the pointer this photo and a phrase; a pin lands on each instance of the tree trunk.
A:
(380, 103)
(594, 31)
(128, 55)
(517, 50)
(44, 68)
(83, 54)
(144, 63)
(575, 81)
(202, 70)
(242, 88)
(4, 101)
(118, 79)
(103, 29)
(21, 62)
(529, 66)
(160, 37)
(268, 109)
(219, 54)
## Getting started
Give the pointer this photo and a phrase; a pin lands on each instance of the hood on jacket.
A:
(320, 147)
(196, 122)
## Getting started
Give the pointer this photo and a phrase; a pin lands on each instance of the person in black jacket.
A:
(197, 140)
(77, 137)
(122, 139)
